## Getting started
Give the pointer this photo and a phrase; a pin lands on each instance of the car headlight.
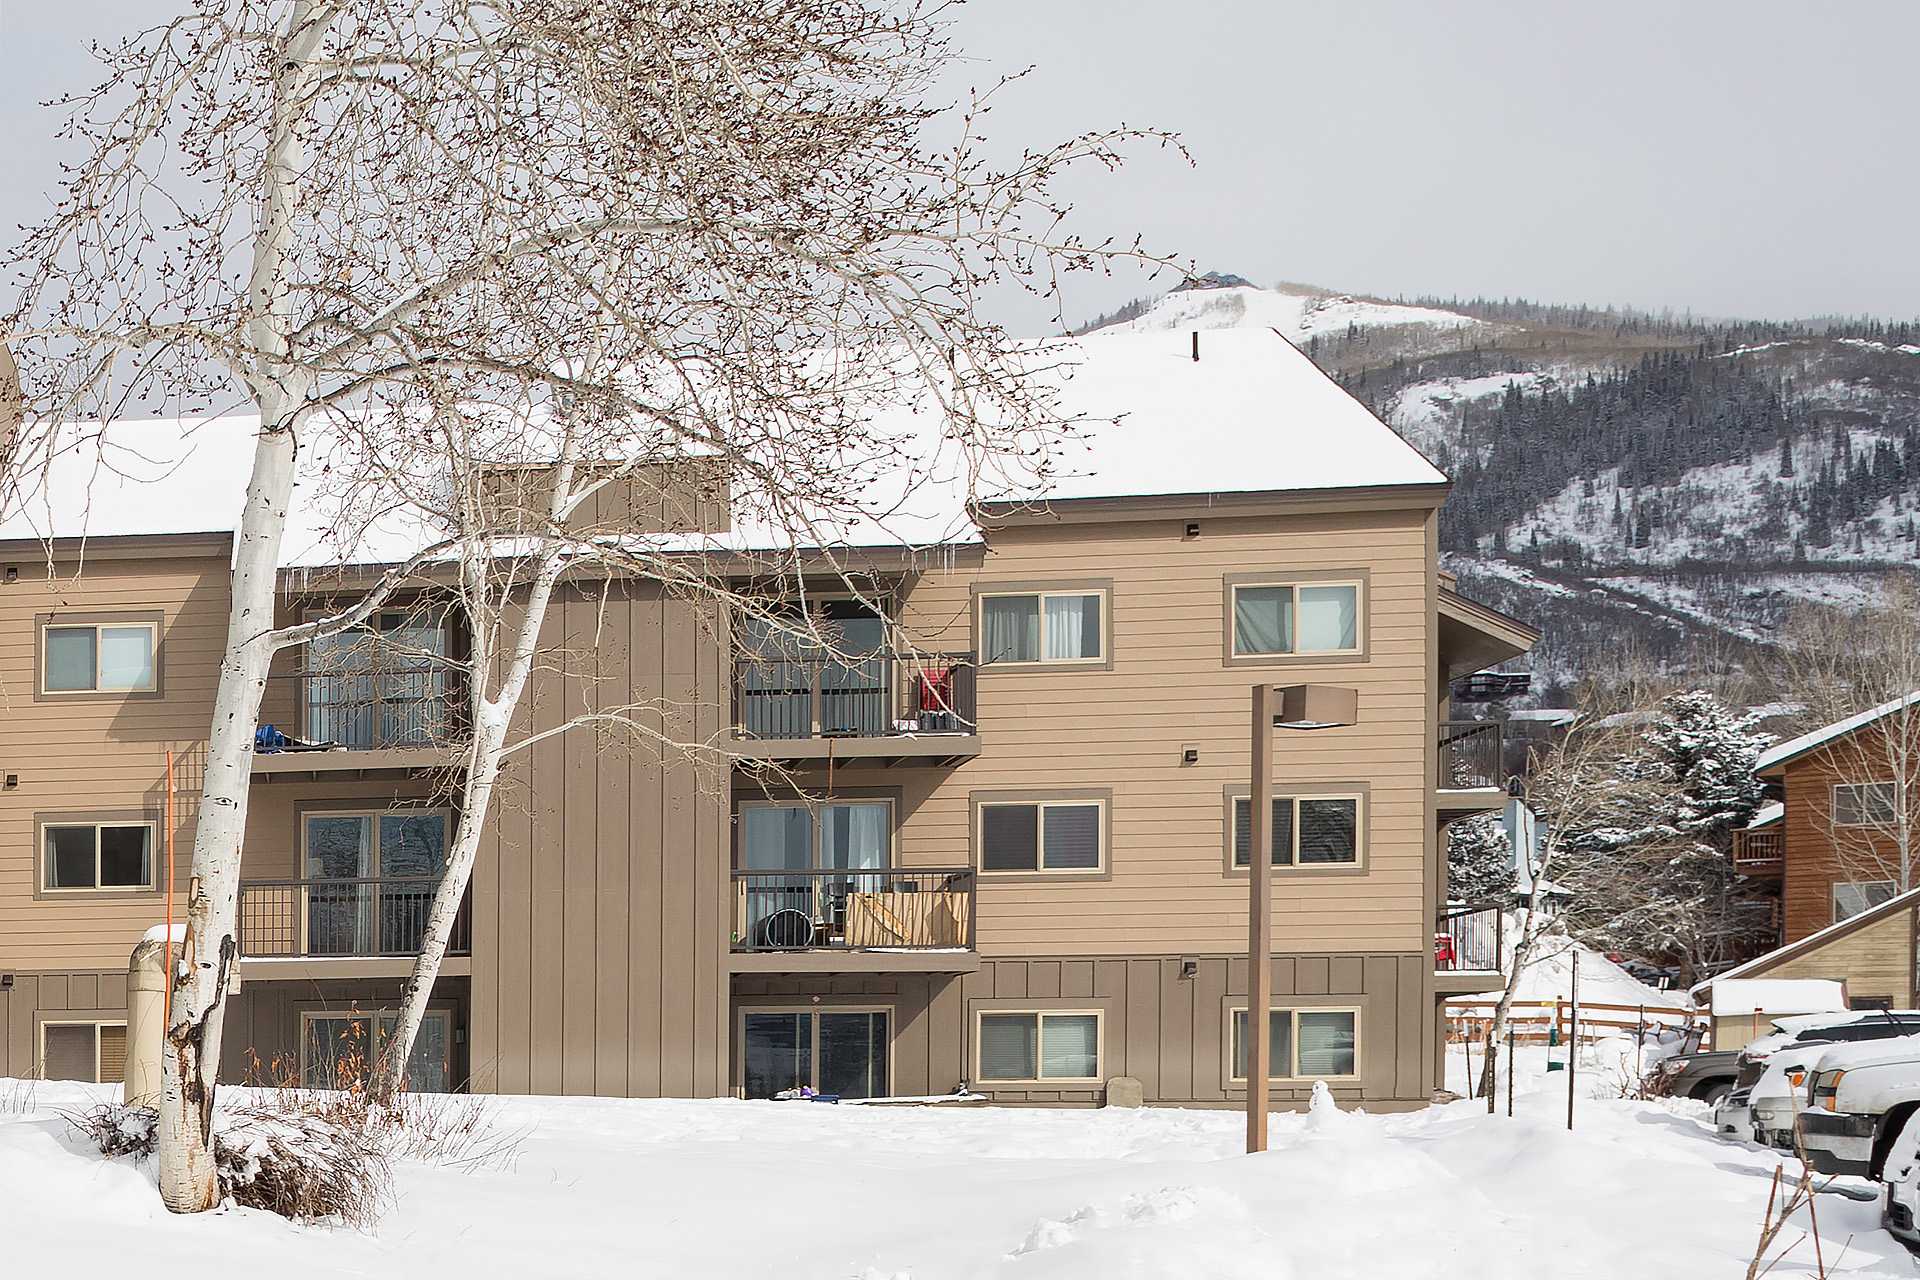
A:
(1826, 1090)
(1678, 1064)
(1796, 1076)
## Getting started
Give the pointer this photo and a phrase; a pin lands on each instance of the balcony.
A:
(1469, 774)
(901, 920)
(1468, 944)
(882, 708)
(328, 919)
(1760, 851)
(394, 718)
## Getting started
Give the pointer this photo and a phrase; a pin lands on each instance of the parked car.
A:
(1707, 1076)
(1859, 1097)
(1768, 1090)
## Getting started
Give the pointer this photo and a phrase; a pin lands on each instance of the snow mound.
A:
(1550, 977)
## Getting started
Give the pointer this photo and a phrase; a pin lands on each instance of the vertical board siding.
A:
(611, 868)
(1165, 1030)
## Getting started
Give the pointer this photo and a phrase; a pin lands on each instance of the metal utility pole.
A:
(1573, 1038)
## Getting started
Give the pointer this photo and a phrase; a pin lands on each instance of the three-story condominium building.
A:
(996, 833)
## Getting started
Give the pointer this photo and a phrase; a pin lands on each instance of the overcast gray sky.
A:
(1747, 158)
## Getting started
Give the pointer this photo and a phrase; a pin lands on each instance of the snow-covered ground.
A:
(801, 1190)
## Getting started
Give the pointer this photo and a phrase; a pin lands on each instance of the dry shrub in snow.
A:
(297, 1163)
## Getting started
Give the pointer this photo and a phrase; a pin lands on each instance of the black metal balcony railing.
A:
(367, 916)
(916, 909)
(1470, 755)
(793, 698)
(1469, 938)
(367, 711)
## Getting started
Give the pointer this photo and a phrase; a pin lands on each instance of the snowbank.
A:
(1601, 980)
(799, 1191)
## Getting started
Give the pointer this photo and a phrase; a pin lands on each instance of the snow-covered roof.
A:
(1793, 748)
(1766, 815)
(1252, 415)
(1736, 997)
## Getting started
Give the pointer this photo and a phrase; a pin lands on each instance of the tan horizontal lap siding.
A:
(1874, 961)
(97, 754)
(1124, 729)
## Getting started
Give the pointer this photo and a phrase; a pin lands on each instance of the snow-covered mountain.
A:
(1622, 477)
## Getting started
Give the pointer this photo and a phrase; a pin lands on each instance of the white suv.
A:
(1858, 1098)
(1761, 1088)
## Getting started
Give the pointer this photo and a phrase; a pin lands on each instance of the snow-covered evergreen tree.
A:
(1479, 860)
(1654, 876)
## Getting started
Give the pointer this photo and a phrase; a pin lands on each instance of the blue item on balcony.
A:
(268, 740)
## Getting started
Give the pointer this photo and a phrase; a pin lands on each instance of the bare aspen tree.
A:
(1843, 663)
(1585, 808)
(715, 230)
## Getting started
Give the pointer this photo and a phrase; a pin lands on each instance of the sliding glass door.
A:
(841, 1052)
(802, 863)
(827, 678)
(371, 878)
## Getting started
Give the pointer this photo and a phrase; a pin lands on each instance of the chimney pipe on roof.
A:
(1196, 344)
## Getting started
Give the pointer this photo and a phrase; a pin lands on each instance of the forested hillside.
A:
(1623, 478)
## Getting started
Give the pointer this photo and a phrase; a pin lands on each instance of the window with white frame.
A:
(1308, 830)
(1852, 897)
(1038, 1045)
(90, 1050)
(1284, 618)
(1864, 804)
(99, 657)
(1302, 1044)
(1043, 627)
(1042, 836)
(77, 856)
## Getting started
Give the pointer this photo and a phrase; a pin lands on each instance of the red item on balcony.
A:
(936, 689)
(1445, 956)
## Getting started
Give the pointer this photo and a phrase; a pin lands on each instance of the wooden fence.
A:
(1534, 1021)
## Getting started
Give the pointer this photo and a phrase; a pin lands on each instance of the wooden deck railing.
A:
(1764, 849)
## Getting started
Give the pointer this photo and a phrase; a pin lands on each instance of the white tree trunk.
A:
(491, 717)
(190, 1065)
(192, 1060)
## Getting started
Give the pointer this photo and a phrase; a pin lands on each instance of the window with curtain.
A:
(97, 855)
(1045, 835)
(1296, 618)
(852, 835)
(1302, 1044)
(1039, 1046)
(99, 658)
(1307, 830)
(1043, 626)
